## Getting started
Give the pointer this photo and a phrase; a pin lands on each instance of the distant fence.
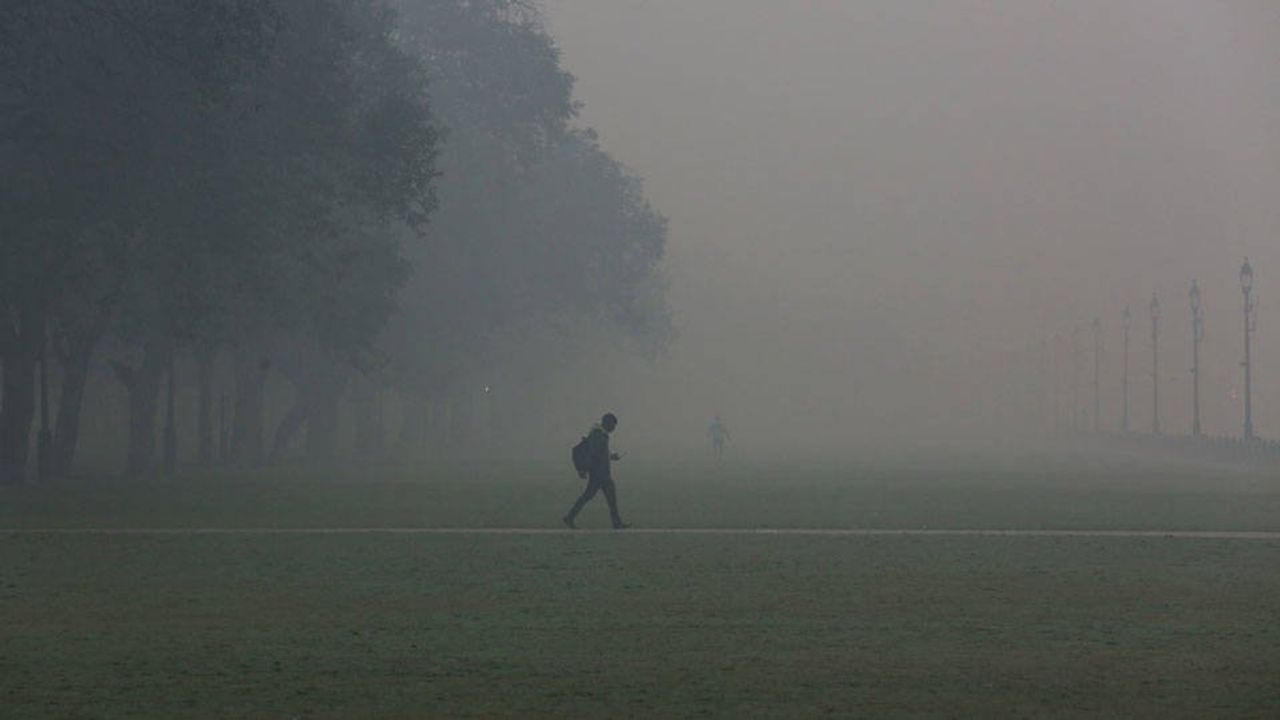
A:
(1212, 448)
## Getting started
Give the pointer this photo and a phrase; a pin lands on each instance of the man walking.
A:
(717, 433)
(599, 475)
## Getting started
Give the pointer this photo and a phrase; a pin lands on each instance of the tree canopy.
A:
(362, 186)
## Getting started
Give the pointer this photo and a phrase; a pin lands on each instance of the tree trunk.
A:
(79, 332)
(413, 425)
(143, 384)
(206, 356)
(75, 376)
(171, 418)
(299, 411)
(21, 348)
(224, 430)
(247, 427)
(322, 422)
(369, 428)
(44, 441)
(459, 421)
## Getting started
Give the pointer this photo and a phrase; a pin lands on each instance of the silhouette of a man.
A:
(599, 474)
(717, 433)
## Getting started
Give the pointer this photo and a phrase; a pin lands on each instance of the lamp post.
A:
(1055, 412)
(1197, 334)
(1096, 326)
(1250, 322)
(1155, 365)
(1075, 380)
(1124, 379)
(1042, 397)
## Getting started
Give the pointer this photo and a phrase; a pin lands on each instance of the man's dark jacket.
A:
(598, 455)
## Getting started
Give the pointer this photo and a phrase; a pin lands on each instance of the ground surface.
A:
(598, 624)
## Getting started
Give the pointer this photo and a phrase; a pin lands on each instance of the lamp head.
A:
(1246, 276)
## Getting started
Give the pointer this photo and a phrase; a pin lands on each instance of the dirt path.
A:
(833, 532)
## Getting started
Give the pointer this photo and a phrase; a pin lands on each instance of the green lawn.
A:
(642, 625)
(1035, 492)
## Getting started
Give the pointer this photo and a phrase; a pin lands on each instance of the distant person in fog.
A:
(718, 434)
(599, 472)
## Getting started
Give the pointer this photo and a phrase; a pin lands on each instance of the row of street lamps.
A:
(1197, 335)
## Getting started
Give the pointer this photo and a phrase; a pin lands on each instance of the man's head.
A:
(609, 422)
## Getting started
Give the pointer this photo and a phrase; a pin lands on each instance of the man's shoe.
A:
(568, 522)
(622, 526)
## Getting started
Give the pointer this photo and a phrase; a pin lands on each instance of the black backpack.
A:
(580, 457)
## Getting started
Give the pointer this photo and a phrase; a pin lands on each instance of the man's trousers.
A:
(596, 484)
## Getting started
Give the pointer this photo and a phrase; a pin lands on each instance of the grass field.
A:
(602, 624)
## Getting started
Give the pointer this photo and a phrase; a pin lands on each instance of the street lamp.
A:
(1155, 365)
(1055, 389)
(1250, 324)
(1097, 397)
(1197, 334)
(1124, 380)
(1075, 380)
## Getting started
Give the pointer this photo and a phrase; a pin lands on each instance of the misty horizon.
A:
(883, 214)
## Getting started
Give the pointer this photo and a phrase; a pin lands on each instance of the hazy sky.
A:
(880, 210)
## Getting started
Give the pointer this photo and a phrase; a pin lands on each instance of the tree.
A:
(538, 229)
(333, 149)
(83, 86)
(198, 173)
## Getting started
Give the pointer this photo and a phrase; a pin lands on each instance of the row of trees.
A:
(314, 190)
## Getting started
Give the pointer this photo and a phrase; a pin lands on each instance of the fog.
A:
(652, 358)
(410, 229)
(887, 218)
